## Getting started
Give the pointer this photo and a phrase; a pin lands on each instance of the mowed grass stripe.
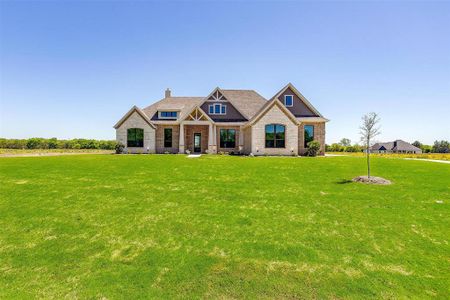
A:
(165, 226)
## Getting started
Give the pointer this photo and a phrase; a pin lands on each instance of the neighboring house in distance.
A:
(397, 146)
(224, 121)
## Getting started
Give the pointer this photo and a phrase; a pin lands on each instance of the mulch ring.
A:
(371, 180)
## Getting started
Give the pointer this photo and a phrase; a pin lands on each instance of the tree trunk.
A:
(368, 159)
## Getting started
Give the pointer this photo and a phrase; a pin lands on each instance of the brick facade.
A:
(236, 148)
(189, 137)
(319, 135)
(160, 139)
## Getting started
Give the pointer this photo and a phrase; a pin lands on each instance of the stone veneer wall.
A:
(160, 138)
(136, 121)
(247, 140)
(319, 135)
(274, 116)
(236, 148)
(189, 136)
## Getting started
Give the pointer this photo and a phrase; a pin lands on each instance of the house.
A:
(239, 121)
(397, 146)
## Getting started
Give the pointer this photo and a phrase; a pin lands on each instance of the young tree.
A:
(345, 142)
(368, 131)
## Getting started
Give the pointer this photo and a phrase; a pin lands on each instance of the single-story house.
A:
(397, 146)
(240, 121)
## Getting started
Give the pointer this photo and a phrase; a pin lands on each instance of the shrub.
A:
(336, 148)
(35, 143)
(54, 143)
(313, 148)
(119, 148)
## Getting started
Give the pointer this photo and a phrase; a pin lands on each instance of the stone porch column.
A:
(241, 138)
(211, 139)
(181, 142)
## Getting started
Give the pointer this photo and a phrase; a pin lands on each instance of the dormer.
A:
(168, 114)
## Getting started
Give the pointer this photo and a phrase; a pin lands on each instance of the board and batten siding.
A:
(136, 121)
(274, 116)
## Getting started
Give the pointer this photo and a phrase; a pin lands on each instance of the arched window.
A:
(135, 137)
(275, 136)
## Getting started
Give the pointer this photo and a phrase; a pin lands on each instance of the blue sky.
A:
(72, 69)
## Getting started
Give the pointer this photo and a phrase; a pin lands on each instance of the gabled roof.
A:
(400, 145)
(307, 103)
(397, 145)
(130, 112)
(267, 107)
(247, 102)
(182, 104)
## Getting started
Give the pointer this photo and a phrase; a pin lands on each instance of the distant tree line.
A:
(345, 146)
(437, 147)
(54, 143)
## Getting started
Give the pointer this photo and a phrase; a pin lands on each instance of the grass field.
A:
(37, 152)
(438, 156)
(164, 226)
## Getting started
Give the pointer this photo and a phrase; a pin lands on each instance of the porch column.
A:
(181, 142)
(241, 138)
(211, 138)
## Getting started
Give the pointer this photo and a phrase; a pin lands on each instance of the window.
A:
(275, 136)
(135, 137)
(168, 114)
(217, 109)
(288, 100)
(167, 137)
(309, 134)
(227, 138)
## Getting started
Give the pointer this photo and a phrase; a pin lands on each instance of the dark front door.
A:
(197, 142)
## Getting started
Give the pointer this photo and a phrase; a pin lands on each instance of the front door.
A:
(197, 142)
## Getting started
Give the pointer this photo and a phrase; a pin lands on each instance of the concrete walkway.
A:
(432, 160)
(194, 155)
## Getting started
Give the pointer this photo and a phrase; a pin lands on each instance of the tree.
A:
(441, 147)
(345, 142)
(368, 131)
(417, 144)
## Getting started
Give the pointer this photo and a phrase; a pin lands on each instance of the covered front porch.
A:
(200, 134)
(197, 137)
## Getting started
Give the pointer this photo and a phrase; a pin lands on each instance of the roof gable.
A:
(269, 105)
(130, 112)
(197, 114)
(182, 104)
(302, 98)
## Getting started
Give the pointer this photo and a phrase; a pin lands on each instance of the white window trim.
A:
(285, 100)
(167, 118)
(214, 109)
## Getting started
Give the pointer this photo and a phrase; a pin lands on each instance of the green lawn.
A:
(164, 226)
